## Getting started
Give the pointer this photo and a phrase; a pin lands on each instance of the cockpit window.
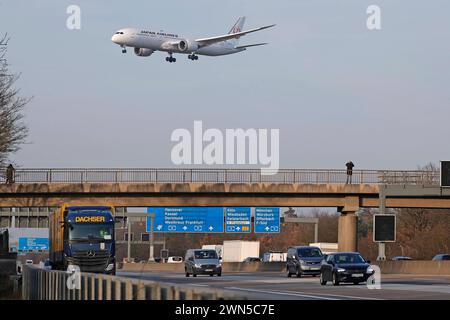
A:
(119, 32)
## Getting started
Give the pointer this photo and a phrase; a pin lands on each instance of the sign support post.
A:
(382, 210)
(129, 240)
(151, 257)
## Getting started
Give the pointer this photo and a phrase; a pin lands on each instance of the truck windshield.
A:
(87, 231)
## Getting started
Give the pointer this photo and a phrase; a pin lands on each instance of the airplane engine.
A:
(142, 52)
(187, 46)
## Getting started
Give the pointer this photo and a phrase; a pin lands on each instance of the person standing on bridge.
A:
(349, 166)
(10, 174)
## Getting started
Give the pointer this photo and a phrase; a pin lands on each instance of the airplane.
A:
(146, 42)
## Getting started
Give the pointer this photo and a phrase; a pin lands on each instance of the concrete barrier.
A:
(226, 267)
(151, 266)
(39, 284)
(424, 267)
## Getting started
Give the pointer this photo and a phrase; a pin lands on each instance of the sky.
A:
(336, 90)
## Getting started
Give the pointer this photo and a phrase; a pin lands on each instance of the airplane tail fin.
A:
(238, 27)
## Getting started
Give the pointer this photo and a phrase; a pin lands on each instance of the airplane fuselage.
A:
(146, 42)
(168, 42)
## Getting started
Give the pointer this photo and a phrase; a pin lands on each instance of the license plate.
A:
(315, 268)
(358, 275)
(209, 270)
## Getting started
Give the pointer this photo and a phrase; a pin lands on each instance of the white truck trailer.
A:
(238, 250)
(217, 247)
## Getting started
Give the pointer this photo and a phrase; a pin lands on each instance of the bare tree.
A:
(13, 130)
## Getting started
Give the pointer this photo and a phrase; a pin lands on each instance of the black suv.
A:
(345, 267)
(303, 260)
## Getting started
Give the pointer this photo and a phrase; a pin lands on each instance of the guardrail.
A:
(40, 284)
(314, 176)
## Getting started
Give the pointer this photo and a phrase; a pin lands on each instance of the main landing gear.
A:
(171, 59)
(193, 57)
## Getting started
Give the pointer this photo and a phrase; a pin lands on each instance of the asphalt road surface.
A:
(274, 286)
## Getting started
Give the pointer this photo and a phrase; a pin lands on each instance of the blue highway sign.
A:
(35, 244)
(186, 219)
(238, 220)
(267, 220)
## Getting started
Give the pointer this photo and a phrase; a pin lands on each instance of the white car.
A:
(175, 259)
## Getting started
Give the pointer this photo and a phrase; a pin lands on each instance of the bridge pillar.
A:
(348, 225)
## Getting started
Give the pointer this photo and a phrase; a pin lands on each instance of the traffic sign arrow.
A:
(211, 228)
(238, 228)
(267, 228)
(185, 228)
(159, 227)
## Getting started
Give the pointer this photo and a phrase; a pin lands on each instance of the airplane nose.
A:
(115, 39)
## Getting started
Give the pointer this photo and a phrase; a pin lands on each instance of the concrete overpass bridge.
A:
(229, 187)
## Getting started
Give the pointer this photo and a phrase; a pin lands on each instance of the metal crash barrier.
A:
(40, 284)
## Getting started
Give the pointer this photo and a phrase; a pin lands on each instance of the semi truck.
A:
(8, 267)
(83, 236)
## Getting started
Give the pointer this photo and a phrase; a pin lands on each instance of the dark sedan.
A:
(345, 267)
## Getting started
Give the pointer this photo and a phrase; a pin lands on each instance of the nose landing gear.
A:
(124, 49)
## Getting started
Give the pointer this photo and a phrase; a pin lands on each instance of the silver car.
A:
(201, 261)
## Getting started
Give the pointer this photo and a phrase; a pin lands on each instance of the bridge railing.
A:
(150, 175)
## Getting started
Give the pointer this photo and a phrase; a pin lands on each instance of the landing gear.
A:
(124, 49)
(171, 59)
(193, 57)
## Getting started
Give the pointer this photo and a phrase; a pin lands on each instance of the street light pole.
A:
(316, 232)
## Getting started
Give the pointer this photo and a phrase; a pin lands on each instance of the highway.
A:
(276, 286)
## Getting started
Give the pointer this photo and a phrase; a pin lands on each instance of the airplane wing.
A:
(250, 45)
(207, 41)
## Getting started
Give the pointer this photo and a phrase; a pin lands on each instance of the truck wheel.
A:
(187, 274)
(288, 273)
(219, 274)
(299, 273)
(194, 275)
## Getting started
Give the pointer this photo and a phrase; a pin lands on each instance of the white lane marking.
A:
(424, 288)
(277, 280)
(199, 285)
(340, 296)
(283, 293)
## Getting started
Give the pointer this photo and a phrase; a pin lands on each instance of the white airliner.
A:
(145, 42)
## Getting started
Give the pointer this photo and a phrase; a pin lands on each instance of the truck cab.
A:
(83, 237)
